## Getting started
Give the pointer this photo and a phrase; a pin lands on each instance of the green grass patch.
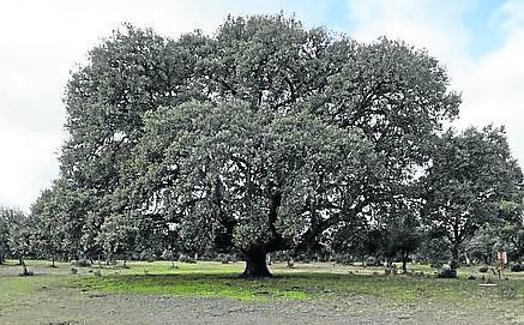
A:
(305, 281)
(202, 285)
(202, 279)
(17, 291)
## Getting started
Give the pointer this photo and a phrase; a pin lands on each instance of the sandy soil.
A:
(67, 306)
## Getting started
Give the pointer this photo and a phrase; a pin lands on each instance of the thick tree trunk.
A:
(24, 267)
(454, 258)
(404, 263)
(125, 258)
(256, 266)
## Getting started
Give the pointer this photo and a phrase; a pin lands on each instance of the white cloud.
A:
(27, 164)
(40, 41)
(511, 15)
(434, 25)
(491, 85)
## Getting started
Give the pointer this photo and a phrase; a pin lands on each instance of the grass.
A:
(15, 289)
(203, 279)
(305, 281)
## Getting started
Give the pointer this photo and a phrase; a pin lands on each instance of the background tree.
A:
(434, 248)
(483, 245)
(72, 206)
(357, 240)
(4, 237)
(473, 180)
(512, 237)
(402, 237)
(488, 240)
(19, 238)
(48, 233)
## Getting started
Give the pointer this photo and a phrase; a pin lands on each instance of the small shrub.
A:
(483, 269)
(82, 263)
(148, 257)
(27, 273)
(187, 259)
(73, 270)
(372, 261)
(224, 258)
(447, 273)
(391, 270)
(343, 259)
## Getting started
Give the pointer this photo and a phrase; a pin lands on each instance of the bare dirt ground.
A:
(67, 306)
(56, 304)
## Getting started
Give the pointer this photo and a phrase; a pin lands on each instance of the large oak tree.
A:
(383, 102)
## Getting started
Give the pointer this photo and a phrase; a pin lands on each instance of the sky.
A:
(481, 42)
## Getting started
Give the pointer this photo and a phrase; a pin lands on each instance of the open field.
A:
(206, 292)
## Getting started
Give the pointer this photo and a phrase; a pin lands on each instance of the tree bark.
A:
(256, 266)
(454, 258)
(24, 267)
(404, 262)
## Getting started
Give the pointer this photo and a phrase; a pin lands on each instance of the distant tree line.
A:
(268, 137)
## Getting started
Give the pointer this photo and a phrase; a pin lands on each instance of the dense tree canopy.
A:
(227, 174)
(4, 235)
(473, 180)
(265, 136)
(16, 236)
